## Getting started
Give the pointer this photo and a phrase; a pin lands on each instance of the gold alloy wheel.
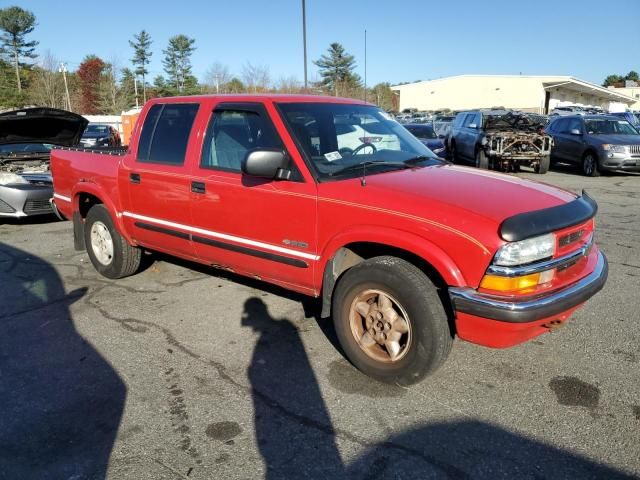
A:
(380, 326)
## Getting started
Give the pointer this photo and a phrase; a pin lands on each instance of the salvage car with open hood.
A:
(26, 139)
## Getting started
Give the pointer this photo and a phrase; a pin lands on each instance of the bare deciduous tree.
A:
(217, 77)
(47, 87)
(290, 85)
(256, 77)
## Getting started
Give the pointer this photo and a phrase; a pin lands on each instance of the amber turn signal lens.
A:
(512, 284)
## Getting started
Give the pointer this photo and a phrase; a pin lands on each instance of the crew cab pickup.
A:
(405, 250)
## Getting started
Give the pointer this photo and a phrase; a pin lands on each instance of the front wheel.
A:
(482, 161)
(390, 320)
(590, 165)
(543, 165)
(109, 251)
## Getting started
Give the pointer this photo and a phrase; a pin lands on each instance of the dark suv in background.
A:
(595, 143)
(98, 135)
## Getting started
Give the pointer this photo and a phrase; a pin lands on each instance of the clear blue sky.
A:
(407, 39)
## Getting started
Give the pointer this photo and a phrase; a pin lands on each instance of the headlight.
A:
(526, 251)
(614, 148)
(11, 179)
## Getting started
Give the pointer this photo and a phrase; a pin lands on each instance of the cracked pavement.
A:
(187, 372)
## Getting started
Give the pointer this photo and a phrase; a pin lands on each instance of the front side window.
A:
(609, 127)
(336, 137)
(165, 133)
(574, 124)
(232, 134)
(471, 118)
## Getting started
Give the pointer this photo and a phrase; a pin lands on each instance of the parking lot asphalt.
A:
(186, 372)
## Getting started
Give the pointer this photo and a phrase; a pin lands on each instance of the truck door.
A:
(255, 226)
(159, 188)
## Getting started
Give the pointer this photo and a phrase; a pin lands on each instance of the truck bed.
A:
(96, 169)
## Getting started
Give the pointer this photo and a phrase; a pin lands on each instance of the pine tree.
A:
(142, 57)
(16, 24)
(337, 70)
(177, 60)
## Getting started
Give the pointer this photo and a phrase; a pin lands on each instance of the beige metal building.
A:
(531, 93)
(633, 92)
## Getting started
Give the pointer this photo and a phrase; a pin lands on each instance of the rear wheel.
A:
(482, 161)
(543, 165)
(109, 251)
(390, 320)
(590, 165)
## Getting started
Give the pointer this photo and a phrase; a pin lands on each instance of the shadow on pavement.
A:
(296, 437)
(60, 400)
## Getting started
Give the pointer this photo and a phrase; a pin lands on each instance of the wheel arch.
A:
(425, 255)
(86, 196)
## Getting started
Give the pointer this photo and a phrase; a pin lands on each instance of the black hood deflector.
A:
(41, 125)
(539, 222)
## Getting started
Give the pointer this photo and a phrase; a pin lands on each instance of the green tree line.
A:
(104, 86)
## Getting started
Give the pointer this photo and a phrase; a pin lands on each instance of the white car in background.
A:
(356, 134)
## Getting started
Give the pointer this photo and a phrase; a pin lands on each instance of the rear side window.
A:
(165, 133)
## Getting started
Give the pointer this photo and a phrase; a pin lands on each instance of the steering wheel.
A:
(363, 146)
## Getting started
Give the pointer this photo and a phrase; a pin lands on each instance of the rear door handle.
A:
(198, 187)
(134, 177)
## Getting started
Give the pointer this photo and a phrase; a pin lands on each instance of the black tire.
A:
(125, 259)
(543, 166)
(453, 153)
(482, 161)
(590, 165)
(429, 342)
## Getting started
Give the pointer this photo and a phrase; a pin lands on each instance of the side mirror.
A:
(575, 131)
(266, 163)
(473, 125)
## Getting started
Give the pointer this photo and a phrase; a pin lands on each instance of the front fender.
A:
(403, 240)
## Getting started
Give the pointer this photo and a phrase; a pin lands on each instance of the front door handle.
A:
(134, 177)
(198, 187)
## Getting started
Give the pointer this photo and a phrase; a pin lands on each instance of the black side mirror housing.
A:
(266, 163)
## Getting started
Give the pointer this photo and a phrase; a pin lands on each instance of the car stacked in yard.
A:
(501, 139)
(404, 249)
(26, 139)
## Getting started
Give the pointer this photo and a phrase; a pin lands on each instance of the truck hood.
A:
(41, 125)
(491, 195)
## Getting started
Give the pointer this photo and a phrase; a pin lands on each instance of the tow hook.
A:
(553, 325)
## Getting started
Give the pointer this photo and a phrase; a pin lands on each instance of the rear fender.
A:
(98, 192)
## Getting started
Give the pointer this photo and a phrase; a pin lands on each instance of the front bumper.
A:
(530, 309)
(620, 162)
(23, 200)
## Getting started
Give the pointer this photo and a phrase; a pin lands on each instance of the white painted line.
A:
(223, 236)
(62, 197)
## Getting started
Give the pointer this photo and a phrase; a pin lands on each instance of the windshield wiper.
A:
(418, 159)
(368, 163)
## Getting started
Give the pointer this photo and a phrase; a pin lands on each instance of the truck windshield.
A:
(335, 136)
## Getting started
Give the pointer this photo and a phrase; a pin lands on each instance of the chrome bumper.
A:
(529, 309)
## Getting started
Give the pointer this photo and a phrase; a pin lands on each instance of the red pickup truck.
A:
(334, 199)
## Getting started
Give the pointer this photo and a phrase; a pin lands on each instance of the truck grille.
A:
(37, 206)
(6, 208)
(570, 238)
(634, 149)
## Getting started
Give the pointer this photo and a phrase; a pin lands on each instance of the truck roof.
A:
(278, 97)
